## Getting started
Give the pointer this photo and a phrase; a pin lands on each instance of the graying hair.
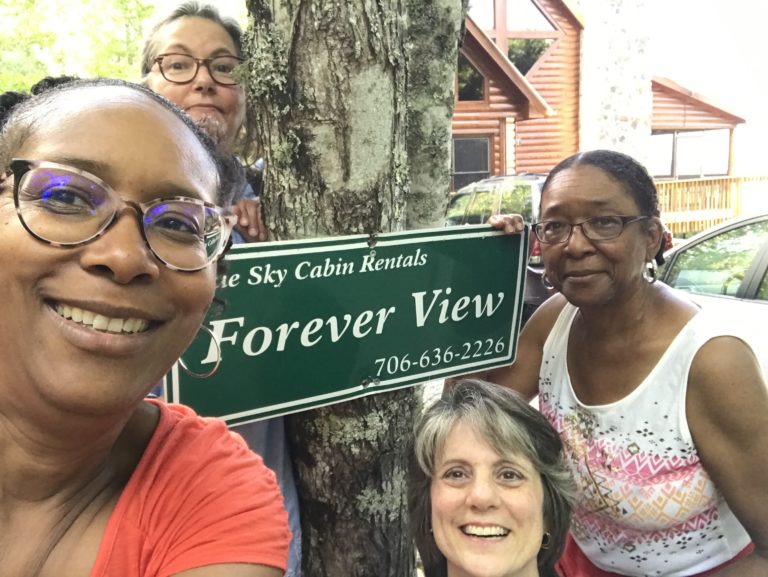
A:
(24, 118)
(509, 425)
(189, 9)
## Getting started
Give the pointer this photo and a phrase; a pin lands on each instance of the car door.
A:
(726, 272)
(722, 264)
(483, 205)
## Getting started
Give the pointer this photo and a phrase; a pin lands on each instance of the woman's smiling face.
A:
(143, 151)
(589, 272)
(487, 509)
(218, 108)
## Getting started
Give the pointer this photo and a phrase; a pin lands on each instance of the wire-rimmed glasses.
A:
(67, 207)
(595, 228)
(182, 68)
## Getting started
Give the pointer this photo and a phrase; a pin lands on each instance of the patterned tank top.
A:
(646, 505)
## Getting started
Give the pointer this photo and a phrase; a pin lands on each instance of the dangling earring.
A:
(547, 284)
(649, 272)
(546, 540)
(218, 358)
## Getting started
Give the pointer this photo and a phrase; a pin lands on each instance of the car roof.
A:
(502, 179)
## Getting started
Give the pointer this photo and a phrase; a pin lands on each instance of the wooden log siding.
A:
(675, 110)
(543, 142)
(692, 205)
(488, 118)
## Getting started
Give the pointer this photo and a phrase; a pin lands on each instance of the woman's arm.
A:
(727, 408)
(523, 374)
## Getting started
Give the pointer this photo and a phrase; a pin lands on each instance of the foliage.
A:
(524, 52)
(21, 44)
(470, 81)
(54, 37)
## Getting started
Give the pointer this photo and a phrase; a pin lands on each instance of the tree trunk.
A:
(434, 28)
(331, 97)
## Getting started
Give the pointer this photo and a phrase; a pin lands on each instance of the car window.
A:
(762, 291)
(482, 207)
(456, 209)
(718, 264)
(518, 199)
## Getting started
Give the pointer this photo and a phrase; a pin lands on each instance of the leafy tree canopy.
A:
(83, 38)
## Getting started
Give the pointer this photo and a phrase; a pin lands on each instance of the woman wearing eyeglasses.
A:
(108, 250)
(662, 409)
(190, 57)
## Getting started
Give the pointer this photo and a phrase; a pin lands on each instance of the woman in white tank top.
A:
(662, 408)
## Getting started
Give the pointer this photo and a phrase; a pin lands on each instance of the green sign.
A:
(309, 323)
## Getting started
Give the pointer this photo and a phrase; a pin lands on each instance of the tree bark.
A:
(434, 30)
(344, 129)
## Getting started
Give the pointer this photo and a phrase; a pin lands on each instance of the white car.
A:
(724, 268)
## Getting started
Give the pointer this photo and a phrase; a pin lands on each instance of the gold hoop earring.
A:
(546, 540)
(218, 358)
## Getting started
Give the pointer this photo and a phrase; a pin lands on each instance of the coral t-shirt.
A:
(198, 497)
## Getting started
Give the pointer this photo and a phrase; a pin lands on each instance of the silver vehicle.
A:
(514, 194)
(724, 268)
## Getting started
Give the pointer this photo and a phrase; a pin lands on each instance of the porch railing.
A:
(692, 205)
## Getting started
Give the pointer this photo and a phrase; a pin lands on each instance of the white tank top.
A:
(646, 506)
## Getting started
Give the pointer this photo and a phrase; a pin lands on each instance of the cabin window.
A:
(471, 84)
(471, 160)
(525, 52)
(529, 34)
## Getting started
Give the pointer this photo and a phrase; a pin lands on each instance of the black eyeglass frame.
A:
(20, 167)
(625, 220)
(198, 61)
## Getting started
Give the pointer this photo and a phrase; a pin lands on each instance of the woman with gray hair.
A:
(190, 57)
(488, 490)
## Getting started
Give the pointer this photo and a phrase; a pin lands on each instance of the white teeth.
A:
(478, 531)
(102, 323)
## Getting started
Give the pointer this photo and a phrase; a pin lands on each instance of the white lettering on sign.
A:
(455, 311)
(218, 335)
(306, 269)
(372, 264)
(229, 281)
(267, 275)
(259, 339)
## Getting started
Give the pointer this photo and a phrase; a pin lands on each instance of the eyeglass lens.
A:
(183, 67)
(65, 207)
(597, 228)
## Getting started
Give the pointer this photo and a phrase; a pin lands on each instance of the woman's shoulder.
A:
(197, 496)
(183, 435)
(197, 461)
(543, 320)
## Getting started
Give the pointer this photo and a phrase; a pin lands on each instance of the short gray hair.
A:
(189, 9)
(510, 425)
